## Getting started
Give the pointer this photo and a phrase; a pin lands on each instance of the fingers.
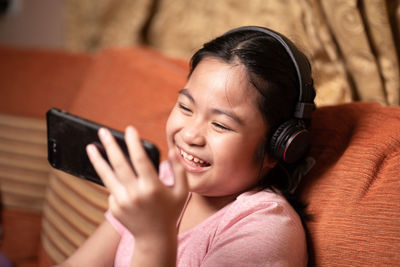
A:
(181, 187)
(138, 156)
(117, 159)
(104, 170)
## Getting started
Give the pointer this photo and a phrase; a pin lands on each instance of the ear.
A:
(263, 157)
(268, 164)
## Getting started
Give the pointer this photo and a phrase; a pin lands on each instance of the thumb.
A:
(181, 187)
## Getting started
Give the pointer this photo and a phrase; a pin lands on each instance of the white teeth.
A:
(191, 157)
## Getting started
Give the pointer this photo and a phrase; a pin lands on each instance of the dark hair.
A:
(271, 71)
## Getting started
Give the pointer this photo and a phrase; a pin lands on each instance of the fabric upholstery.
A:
(28, 75)
(353, 191)
(346, 40)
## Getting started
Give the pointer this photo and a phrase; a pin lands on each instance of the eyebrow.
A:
(217, 111)
(186, 93)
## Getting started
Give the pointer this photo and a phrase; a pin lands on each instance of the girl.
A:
(236, 136)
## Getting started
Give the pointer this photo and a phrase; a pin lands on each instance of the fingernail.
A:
(90, 148)
(104, 133)
(129, 129)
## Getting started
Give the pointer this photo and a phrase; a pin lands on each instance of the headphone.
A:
(291, 140)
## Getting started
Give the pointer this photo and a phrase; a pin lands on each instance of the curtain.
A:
(354, 46)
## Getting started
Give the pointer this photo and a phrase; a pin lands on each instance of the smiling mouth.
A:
(193, 160)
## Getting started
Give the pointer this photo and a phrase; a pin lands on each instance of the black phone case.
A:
(67, 138)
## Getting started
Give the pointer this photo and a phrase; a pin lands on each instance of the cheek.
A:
(173, 125)
(169, 127)
(237, 164)
(235, 152)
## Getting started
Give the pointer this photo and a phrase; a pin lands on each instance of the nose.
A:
(193, 134)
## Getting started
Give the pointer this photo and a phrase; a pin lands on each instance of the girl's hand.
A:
(138, 199)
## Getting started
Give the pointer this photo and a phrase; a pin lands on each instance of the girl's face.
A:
(216, 128)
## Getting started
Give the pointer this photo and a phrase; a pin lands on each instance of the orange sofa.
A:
(353, 191)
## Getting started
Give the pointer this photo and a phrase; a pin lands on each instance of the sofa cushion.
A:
(353, 191)
(35, 80)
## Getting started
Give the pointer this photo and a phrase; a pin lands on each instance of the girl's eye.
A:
(221, 127)
(184, 108)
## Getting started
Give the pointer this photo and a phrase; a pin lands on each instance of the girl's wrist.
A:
(155, 250)
(157, 238)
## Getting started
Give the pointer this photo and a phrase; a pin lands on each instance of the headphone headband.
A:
(305, 104)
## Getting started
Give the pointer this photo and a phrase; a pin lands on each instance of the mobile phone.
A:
(67, 138)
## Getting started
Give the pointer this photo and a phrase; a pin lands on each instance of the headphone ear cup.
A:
(290, 141)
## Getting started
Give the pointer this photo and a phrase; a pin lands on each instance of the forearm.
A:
(98, 250)
(155, 252)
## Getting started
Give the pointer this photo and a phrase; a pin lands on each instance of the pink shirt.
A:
(259, 228)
